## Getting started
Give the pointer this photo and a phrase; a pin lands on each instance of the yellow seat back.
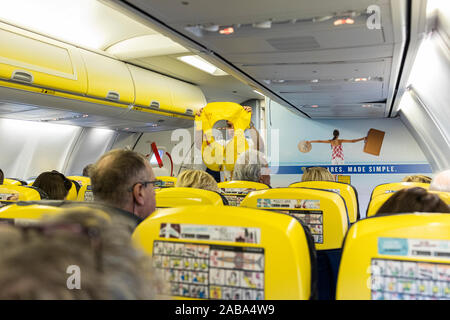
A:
(15, 182)
(323, 211)
(72, 194)
(348, 192)
(20, 193)
(392, 187)
(167, 181)
(23, 213)
(223, 252)
(31, 212)
(176, 197)
(85, 193)
(235, 191)
(403, 256)
(82, 180)
(376, 203)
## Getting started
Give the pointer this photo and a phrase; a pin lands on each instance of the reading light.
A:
(228, 30)
(314, 106)
(315, 80)
(339, 22)
(258, 93)
(202, 64)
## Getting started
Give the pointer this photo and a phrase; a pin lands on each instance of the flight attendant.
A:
(255, 143)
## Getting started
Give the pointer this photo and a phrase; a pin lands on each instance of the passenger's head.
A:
(86, 170)
(121, 179)
(80, 248)
(441, 182)
(252, 166)
(197, 179)
(54, 184)
(417, 178)
(411, 200)
(317, 174)
(2, 176)
(335, 134)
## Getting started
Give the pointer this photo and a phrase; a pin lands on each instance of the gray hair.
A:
(441, 182)
(248, 166)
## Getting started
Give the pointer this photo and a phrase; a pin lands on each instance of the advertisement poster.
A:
(364, 153)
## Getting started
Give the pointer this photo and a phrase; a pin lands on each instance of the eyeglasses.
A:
(155, 183)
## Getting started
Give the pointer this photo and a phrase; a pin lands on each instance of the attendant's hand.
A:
(247, 108)
(199, 112)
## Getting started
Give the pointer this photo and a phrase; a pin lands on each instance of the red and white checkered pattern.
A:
(337, 154)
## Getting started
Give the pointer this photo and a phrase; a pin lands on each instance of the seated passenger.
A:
(252, 166)
(317, 174)
(441, 182)
(86, 170)
(197, 179)
(54, 184)
(124, 180)
(417, 178)
(75, 255)
(411, 200)
(2, 177)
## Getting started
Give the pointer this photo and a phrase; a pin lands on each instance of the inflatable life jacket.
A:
(215, 156)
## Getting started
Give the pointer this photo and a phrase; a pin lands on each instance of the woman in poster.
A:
(337, 151)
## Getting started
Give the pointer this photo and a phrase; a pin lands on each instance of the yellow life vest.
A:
(214, 155)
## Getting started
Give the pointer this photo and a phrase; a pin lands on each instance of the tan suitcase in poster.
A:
(374, 142)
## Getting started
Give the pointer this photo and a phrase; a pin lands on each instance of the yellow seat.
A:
(403, 256)
(82, 180)
(15, 182)
(85, 193)
(23, 214)
(376, 203)
(348, 192)
(31, 212)
(392, 187)
(223, 252)
(323, 211)
(73, 192)
(235, 191)
(167, 181)
(12, 193)
(176, 197)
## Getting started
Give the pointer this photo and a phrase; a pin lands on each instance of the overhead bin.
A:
(108, 79)
(153, 91)
(156, 91)
(187, 97)
(31, 59)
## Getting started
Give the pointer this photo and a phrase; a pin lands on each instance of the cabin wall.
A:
(400, 154)
(424, 108)
(29, 148)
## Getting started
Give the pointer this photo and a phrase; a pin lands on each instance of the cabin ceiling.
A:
(309, 65)
(302, 61)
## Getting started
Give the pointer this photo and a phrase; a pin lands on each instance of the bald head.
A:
(441, 182)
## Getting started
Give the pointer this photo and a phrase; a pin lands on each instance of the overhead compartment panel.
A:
(108, 78)
(31, 59)
(187, 97)
(152, 89)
